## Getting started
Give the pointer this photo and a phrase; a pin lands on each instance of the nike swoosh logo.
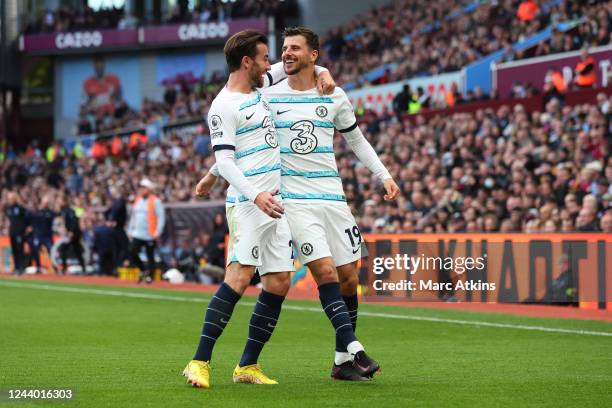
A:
(223, 321)
(336, 308)
(281, 112)
(250, 116)
(356, 250)
(270, 325)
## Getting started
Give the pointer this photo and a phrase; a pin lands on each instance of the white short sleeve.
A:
(345, 119)
(222, 124)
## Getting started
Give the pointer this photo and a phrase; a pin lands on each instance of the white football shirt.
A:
(305, 123)
(243, 123)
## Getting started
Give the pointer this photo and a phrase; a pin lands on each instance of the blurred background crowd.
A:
(495, 169)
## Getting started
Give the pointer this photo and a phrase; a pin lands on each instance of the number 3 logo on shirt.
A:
(305, 141)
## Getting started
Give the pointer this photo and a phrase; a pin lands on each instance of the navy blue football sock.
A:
(263, 321)
(351, 304)
(218, 314)
(337, 313)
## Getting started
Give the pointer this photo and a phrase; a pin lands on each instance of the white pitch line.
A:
(105, 292)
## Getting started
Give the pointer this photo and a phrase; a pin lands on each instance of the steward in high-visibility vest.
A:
(586, 74)
(558, 82)
(116, 146)
(146, 226)
(414, 106)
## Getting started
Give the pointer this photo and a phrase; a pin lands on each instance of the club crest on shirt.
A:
(321, 111)
(306, 248)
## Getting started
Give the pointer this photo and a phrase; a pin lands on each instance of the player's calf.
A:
(349, 280)
(263, 321)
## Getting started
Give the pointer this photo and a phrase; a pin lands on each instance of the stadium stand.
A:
(408, 38)
(430, 48)
(66, 19)
(501, 169)
(484, 166)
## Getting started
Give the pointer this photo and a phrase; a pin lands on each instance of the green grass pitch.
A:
(125, 347)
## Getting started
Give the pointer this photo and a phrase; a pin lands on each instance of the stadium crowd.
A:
(490, 171)
(504, 170)
(66, 18)
(94, 187)
(408, 38)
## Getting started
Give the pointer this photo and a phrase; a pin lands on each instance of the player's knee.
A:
(326, 273)
(348, 283)
(238, 278)
(237, 283)
(277, 283)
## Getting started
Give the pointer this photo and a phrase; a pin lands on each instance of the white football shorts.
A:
(259, 240)
(324, 230)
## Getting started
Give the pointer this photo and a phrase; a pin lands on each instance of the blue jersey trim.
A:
(247, 129)
(311, 196)
(317, 123)
(301, 99)
(322, 149)
(310, 174)
(239, 199)
(244, 153)
(251, 102)
(262, 170)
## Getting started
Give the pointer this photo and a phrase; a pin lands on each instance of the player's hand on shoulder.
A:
(266, 203)
(204, 186)
(392, 189)
(325, 83)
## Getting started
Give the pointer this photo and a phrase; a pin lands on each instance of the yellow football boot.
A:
(251, 374)
(198, 373)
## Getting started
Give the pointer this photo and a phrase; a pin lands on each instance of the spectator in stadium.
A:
(606, 223)
(401, 100)
(186, 261)
(72, 244)
(147, 222)
(586, 222)
(209, 259)
(18, 222)
(116, 214)
(41, 221)
(528, 10)
(563, 290)
(105, 246)
(424, 98)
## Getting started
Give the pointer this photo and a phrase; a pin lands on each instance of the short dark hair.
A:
(242, 44)
(312, 39)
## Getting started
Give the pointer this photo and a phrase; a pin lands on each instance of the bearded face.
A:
(260, 65)
(297, 55)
